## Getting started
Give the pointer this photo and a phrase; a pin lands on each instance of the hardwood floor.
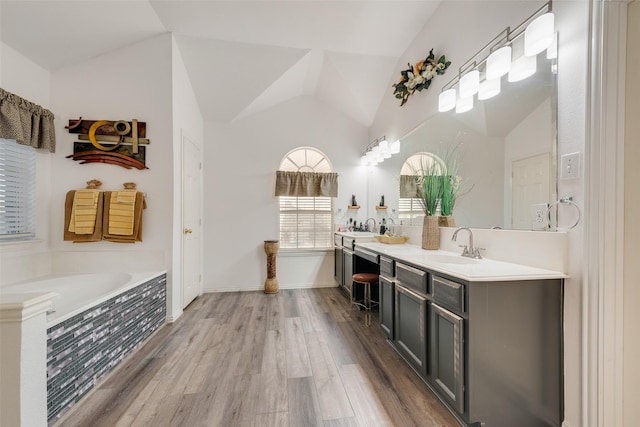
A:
(296, 358)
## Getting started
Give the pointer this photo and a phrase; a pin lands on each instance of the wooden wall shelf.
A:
(381, 208)
(356, 207)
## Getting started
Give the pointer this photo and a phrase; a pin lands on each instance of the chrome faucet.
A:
(469, 251)
(373, 230)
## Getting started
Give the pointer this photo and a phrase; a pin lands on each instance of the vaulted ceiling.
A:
(241, 56)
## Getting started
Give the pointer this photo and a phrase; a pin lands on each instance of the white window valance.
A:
(25, 122)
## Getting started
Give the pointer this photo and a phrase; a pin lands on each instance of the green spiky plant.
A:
(429, 184)
(452, 184)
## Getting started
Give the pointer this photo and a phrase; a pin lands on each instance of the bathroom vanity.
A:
(345, 263)
(484, 335)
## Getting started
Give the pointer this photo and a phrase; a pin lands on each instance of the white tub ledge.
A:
(23, 353)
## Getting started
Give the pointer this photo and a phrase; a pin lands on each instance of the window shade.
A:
(306, 222)
(17, 191)
(25, 122)
(306, 184)
(410, 211)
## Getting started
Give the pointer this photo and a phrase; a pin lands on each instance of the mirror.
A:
(507, 148)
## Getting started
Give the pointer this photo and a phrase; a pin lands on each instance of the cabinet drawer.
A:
(347, 242)
(368, 255)
(412, 277)
(447, 293)
(337, 240)
(387, 267)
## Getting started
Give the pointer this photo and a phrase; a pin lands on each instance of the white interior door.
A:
(529, 187)
(191, 221)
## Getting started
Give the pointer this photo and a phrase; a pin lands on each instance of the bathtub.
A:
(97, 320)
(78, 292)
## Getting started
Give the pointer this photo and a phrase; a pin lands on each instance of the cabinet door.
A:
(347, 268)
(409, 326)
(387, 298)
(446, 353)
(337, 268)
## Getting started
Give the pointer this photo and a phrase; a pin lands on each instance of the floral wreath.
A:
(419, 76)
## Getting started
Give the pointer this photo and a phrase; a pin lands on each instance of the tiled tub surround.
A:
(86, 346)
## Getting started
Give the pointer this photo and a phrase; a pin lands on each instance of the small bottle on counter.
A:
(383, 226)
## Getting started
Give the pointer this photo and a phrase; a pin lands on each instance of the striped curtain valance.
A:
(306, 184)
(409, 186)
(25, 122)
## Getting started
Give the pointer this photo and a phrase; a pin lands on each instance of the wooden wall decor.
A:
(120, 142)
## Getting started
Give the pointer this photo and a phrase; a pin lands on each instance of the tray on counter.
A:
(392, 240)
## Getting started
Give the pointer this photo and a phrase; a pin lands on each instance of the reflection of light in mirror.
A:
(464, 104)
(469, 84)
(539, 34)
(521, 68)
(447, 100)
(489, 89)
(395, 147)
(499, 63)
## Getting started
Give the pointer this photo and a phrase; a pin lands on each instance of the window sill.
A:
(304, 252)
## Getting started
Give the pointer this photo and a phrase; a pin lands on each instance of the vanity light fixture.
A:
(395, 147)
(469, 84)
(378, 150)
(524, 42)
(552, 50)
(523, 67)
(464, 104)
(447, 100)
(539, 34)
(489, 89)
(499, 63)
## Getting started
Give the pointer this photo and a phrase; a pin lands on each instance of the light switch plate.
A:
(570, 166)
(539, 220)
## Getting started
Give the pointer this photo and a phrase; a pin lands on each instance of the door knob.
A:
(188, 231)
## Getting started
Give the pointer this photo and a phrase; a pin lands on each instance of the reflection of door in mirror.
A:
(530, 193)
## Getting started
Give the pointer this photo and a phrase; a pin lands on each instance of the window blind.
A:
(17, 191)
(410, 210)
(306, 222)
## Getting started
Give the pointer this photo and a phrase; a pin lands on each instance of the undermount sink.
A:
(451, 259)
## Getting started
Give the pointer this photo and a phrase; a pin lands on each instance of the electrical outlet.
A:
(570, 166)
(539, 220)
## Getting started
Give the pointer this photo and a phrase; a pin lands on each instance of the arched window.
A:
(306, 222)
(410, 207)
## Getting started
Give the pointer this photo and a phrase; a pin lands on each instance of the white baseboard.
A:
(282, 286)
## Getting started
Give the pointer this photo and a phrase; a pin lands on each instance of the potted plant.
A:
(453, 187)
(430, 188)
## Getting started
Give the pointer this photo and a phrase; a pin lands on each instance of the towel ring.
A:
(564, 201)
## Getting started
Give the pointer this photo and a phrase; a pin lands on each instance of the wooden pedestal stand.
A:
(271, 284)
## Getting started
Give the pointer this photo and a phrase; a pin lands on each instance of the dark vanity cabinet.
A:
(491, 350)
(410, 318)
(387, 296)
(446, 340)
(338, 261)
(347, 269)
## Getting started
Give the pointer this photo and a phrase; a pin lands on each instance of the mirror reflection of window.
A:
(410, 208)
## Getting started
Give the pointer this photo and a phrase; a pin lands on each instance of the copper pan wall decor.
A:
(118, 142)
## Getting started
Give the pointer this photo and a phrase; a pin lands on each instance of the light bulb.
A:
(539, 34)
(499, 63)
(395, 147)
(489, 89)
(523, 67)
(447, 100)
(464, 104)
(469, 84)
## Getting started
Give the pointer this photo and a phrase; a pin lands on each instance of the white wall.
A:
(132, 82)
(240, 160)
(459, 29)
(631, 343)
(22, 261)
(187, 121)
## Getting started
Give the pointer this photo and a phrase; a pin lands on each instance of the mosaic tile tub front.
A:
(83, 349)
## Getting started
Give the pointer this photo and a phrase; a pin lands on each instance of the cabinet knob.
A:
(188, 231)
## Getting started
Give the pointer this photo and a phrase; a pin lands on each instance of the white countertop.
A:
(452, 263)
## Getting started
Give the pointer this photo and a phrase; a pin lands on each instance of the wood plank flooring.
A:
(296, 358)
